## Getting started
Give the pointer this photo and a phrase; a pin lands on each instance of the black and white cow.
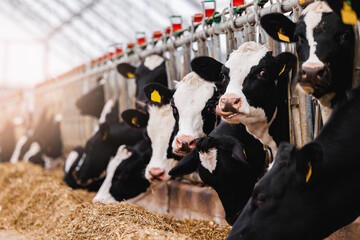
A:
(194, 103)
(7, 142)
(310, 192)
(159, 122)
(93, 101)
(88, 170)
(42, 146)
(325, 48)
(230, 160)
(152, 69)
(256, 94)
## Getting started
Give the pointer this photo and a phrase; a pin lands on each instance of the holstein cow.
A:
(325, 48)
(310, 192)
(129, 164)
(7, 142)
(256, 95)
(230, 160)
(93, 101)
(194, 103)
(44, 145)
(152, 69)
(89, 169)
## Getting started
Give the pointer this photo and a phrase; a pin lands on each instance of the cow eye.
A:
(263, 73)
(260, 200)
(344, 36)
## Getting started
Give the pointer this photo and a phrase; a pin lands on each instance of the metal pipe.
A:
(238, 22)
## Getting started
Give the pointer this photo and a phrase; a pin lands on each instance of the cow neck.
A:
(260, 130)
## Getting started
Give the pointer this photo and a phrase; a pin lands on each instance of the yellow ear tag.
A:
(105, 136)
(134, 121)
(348, 15)
(302, 1)
(308, 175)
(155, 96)
(282, 70)
(130, 75)
(282, 36)
(244, 153)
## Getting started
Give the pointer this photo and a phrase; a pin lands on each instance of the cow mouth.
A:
(227, 115)
(181, 152)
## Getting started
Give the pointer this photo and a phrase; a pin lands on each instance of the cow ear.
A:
(104, 131)
(186, 165)
(279, 27)
(156, 92)
(207, 68)
(284, 63)
(127, 70)
(135, 118)
(308, 163)
(239, 154)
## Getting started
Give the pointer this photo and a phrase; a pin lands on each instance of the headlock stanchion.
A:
(176, 44)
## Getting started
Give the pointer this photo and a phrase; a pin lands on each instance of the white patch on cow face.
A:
(80, 163)
(208, 159)
(240, 62)
(16, 154)
(313, 14)
(190, 97)
(33, 150)
(153, 62)
(73, 155)
(159, 129)
(104, 195)
(106, 109)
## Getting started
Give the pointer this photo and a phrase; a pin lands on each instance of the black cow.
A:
(89, 170)
(310, 192)
(230, 160)
(92, 102)
(7, 142)
(325, 48)
(194, 103)
(152, 69)
(256, 94)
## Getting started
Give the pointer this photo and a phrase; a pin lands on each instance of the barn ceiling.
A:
(86, 28)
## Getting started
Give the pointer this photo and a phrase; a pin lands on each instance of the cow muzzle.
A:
(156, 174)
(314, 78)
(184, 145)
(229, 106)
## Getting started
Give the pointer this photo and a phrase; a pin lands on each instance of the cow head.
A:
(125, 174)
(152, 69)
(284, 203)
(194, 104)
(159, 122)
(254, 74)
(227, 165)
(92, 102)
(325, 48)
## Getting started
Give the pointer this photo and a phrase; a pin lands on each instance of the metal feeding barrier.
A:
(211, 33)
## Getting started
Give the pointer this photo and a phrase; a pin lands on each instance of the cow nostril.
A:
(237, 101)
(303, 73)
(321, 72)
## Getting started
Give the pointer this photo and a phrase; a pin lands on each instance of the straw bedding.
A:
(38, 205)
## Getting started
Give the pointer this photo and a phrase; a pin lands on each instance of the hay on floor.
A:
(39, 205)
